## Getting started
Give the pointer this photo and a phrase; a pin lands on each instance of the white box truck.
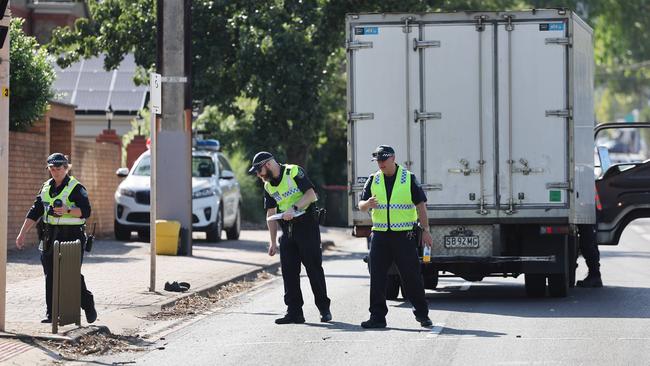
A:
(494, 113)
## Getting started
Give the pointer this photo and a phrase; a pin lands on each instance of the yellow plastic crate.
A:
(167, 237)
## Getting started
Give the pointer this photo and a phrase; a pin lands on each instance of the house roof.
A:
(92, 89)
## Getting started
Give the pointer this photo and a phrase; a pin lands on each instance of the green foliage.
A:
(252, 209)
(31, 78)
(143, 128)
(286, 58)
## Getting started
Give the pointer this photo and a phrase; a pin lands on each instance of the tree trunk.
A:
(297, 154)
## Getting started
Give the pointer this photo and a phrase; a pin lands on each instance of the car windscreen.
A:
(143, 168)
(202, 166)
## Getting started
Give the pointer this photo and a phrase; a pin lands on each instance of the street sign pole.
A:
(155, 93)
(4, 154)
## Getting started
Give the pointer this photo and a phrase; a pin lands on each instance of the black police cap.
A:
(57, 159)
(382, 152)
(258, 160)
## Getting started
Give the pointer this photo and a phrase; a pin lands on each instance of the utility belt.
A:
(50, 233)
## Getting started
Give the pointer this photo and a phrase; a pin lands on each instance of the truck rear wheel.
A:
(535, 285)
(558, 285)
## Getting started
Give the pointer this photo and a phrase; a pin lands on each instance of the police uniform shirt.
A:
(303, 182)
(417, 194)
(79, 196)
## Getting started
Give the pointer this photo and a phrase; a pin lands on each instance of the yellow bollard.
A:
(167, 237)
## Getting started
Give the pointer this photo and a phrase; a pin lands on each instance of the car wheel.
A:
(121, 232)
(233, 232)
(214, 232)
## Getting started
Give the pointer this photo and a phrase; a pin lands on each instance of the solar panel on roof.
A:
(65, 80)
(94, 87)
(92, 101)
(95, 81)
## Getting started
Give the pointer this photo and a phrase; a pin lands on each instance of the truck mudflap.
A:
(492, 259)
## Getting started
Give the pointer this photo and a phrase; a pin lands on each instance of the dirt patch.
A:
(96, 345)
(199, 304)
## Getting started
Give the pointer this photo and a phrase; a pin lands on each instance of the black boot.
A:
(289, 318)
(592, 280)
(89, 309)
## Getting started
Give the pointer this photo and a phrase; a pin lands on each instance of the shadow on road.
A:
(511, 300)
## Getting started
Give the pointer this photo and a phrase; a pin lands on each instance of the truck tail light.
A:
(599, 205)
(556, 229)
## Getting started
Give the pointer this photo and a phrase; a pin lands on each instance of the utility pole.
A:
(173, 147)
(4, 153)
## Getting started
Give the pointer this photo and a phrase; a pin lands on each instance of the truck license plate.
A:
(453, 242)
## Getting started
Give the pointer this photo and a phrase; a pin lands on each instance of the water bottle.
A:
(426, 254)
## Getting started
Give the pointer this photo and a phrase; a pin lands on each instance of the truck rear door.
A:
(456, 115)
(532, 114)
(379, 88)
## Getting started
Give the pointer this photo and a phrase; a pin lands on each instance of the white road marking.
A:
(436, 330)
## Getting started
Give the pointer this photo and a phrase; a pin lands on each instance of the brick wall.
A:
(27, 155)
(94, 164)
(61, 136)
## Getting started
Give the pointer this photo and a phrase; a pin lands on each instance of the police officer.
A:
(589, 249)
(63, 205)
(397, 202)
(287, 189)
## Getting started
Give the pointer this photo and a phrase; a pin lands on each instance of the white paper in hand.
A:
(278, 216)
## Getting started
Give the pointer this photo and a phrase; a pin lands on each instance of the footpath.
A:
(118, 275)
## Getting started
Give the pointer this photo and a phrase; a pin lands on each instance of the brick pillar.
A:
(110, 137)
(135, 148)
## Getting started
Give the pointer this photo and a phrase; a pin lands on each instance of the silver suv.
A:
(216, 199)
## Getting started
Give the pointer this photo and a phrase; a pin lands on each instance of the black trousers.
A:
(300, 243)
(401, 248)
(61, 233)
(589, 248)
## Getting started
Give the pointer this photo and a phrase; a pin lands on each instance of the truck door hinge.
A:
(357, 45)
(480, 25)
(407, 24)
(423, 116)
(417, 44)
(432, 187)
(509, 26)
(564, 41)
(562, 113)
(360, 116)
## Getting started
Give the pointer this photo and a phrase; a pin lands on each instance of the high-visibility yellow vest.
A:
(64, 195)
(287, 193)
(399, 208)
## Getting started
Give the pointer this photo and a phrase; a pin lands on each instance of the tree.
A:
(31, 78)
(286, 55)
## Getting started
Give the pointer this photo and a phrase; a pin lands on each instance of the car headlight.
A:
(127, 192)
(205, 192)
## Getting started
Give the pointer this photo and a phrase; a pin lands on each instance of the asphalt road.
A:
(487, 323)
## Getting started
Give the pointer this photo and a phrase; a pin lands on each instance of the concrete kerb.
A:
(71, 336)
(209, 289)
